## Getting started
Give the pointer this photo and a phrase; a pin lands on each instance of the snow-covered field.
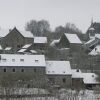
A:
(62, 94)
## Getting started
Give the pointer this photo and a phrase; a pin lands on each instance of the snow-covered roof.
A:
(91, 29)
(58, 68)
(40, 39)
(26, 46)
(76, 73)
(1, 47)
(33, 51)
(95, 51)
(73, 38)
(8, 48)
(27, 34)
(22, 60)
(97, 35)
(4, 32)
(90, 78)
(54, 42)
(63, 49)
(22, 50)
(90, 41)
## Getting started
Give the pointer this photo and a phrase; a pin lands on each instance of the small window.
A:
(52, 71)
(13, 70)
(92, 75)
(5, 70)
(77, 70)
(13, 60)
(64, 80)
(37, 61)
(63, 71)
(22, 70)
(48, 71)
(22, 60)
(4, 60)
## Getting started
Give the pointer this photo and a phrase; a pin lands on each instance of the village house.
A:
(40, 44)
(15, 38)
(40, 73)
(71, 41)
(90, 45)
(59, 73)
(90, 80)
(77, 79)
(68, 40)
(82, 80)
(23, 67)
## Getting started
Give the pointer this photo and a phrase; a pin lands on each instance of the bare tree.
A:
(38, 28)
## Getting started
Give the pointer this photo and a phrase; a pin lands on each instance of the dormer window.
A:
(36, 61)
(77, 70)
(92, 75)
(22, 60)
(64, 72)
(4, 60)
(13, 60)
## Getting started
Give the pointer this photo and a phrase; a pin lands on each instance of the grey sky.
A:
(57, 12)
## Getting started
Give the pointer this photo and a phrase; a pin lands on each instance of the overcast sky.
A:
(57, 12)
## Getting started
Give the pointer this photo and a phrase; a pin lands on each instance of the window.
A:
(36, 61)
(5, 70)
(48, 71)
(77, 70)
(92, 75)
(64, 80)
(22, 70)
(34, 69)
(13, 60)
(52, 71)
(63, 71)
(22, 60)
(4, 60)
(13, 70)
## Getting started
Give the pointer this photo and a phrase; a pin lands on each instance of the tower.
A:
(91, 30)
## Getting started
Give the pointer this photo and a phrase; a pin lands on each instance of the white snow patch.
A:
(95, 51)
(40, 39)
(54, 42)
(22, 60)
(8, 48)
(26, 46)
(73, 38)
(58, 67)
(76, 73)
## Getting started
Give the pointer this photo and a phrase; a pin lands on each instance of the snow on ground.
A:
(62, 94)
